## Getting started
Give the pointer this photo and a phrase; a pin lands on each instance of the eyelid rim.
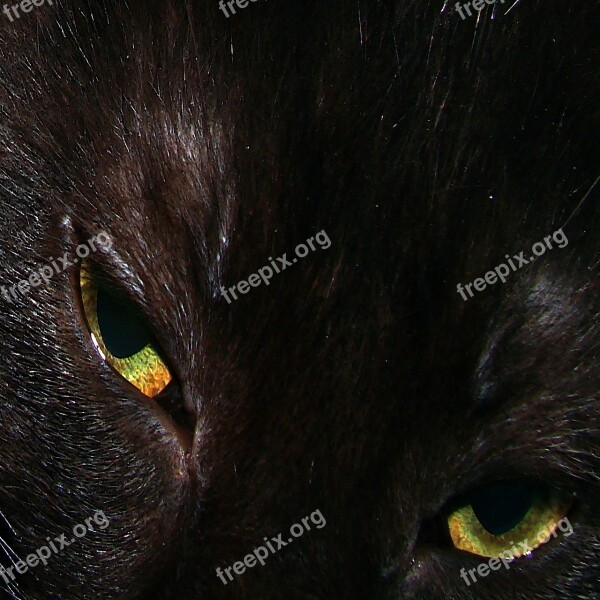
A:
(555, 506)
(560, 496)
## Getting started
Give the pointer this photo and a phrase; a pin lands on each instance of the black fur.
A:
(358, 382)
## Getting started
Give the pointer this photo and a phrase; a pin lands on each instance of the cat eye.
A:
(507, 517)
(122, 337)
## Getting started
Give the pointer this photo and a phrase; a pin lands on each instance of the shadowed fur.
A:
(359, 382)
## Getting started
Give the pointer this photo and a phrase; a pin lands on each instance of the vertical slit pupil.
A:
(123, 332)
(501, 506)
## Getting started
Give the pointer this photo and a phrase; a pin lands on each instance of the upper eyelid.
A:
(461, 496)
(116, 275)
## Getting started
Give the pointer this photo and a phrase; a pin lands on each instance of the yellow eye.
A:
(507, 517)
(122, 338)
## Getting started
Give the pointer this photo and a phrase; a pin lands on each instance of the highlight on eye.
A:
(497, 517)
(121, 337)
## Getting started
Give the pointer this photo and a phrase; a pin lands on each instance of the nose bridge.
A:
(405, 526)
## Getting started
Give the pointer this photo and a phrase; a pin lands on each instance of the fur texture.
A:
(359, 382)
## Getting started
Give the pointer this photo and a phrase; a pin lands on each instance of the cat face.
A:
(337, 334)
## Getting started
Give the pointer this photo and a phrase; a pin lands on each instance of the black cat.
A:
(352, 425)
